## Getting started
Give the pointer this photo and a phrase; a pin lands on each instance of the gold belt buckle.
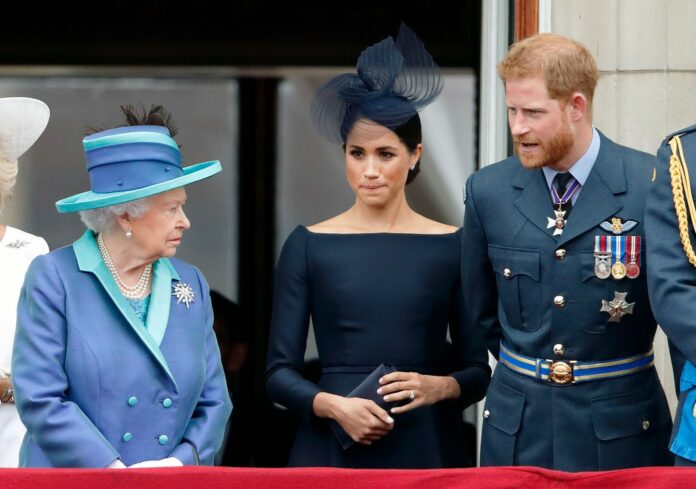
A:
(561, 372)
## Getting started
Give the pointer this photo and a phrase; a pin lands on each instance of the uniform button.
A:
(646, 424)
(560, 253)
(486, 414)
(558, 349)
(163, 439)
(127, 437)
(507, 273)
(167, 403)
(132, 401)
(559, 301)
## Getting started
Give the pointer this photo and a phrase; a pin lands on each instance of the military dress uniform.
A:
(672, 281)
(575, 387)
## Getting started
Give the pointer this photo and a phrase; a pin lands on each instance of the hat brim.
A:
(93, 200)
(22, 120)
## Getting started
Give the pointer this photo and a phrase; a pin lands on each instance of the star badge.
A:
(617, 307)
(557, 222)
(184, 293)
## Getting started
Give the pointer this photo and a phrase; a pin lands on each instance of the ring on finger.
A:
(411, 395)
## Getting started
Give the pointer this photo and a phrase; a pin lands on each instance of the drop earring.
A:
(129, 233)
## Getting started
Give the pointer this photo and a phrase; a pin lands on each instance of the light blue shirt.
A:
(581, 169)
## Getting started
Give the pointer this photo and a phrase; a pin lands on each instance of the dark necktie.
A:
(561, 182)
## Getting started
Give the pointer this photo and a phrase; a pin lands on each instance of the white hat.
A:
(22, 120)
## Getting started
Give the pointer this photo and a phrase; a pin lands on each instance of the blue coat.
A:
(93, 383)
(513, 269)
(672, 283)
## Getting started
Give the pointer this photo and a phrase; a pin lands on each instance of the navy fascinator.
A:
(395, 79)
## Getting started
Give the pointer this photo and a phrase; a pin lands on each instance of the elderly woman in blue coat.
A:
(115, 360)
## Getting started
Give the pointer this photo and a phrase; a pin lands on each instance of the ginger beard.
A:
(549, 152)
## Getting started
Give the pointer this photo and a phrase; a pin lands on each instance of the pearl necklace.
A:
(137, 291)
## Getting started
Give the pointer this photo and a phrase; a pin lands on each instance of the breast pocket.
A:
(519, 291)
(596, 290)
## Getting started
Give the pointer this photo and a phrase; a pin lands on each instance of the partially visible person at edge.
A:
(237, 446)
(115, 360)
(380, 284)
(22, 120)
(554, 266)
(669, 231)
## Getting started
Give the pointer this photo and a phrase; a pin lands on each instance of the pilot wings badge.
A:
(618, 227)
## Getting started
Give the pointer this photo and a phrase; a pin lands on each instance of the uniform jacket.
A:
(93, 383)
(534, 290)
(672, 284)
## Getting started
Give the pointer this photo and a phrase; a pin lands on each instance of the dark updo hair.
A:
(411, 136)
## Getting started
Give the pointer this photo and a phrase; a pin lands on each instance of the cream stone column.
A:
(644, 49)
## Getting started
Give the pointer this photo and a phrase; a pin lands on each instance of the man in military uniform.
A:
(553, 271)
(669, 230)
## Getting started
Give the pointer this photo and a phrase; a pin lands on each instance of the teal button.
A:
(127, 437)
(167, 403)
(163, 439)
(132, 401)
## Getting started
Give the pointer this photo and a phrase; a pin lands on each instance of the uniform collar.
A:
(596, 202)
(581, 169)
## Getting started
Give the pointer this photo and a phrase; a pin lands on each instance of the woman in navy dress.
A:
(381, 284)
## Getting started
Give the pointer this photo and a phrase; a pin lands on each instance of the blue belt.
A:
(572, 371)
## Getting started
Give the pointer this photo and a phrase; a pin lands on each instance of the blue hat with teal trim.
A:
(129, 163)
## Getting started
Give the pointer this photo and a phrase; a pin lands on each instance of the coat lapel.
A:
(158, 314)
(89, 260)
(597, 200)
(534, 201)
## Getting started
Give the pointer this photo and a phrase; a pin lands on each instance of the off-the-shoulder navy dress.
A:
(372, 299)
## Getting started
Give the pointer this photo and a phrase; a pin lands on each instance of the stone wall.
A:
(647, 88)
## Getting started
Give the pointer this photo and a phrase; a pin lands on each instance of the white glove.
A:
(116, 464)
(165, 462)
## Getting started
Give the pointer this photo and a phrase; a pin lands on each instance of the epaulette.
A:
(680, 132)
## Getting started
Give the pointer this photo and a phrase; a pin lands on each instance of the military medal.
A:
(633, 266)
(617, 307)
(618, 269)
(558, 222)
(603, 254)
(603, 266)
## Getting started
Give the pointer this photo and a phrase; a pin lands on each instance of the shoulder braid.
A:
(681, 192)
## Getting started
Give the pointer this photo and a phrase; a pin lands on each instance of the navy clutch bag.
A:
(366, 390)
